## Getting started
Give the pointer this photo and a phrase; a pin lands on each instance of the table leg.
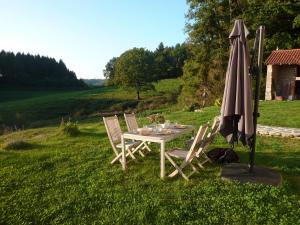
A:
(162, 160)
(123, 153)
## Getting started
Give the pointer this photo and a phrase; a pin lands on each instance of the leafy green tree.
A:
(134, 69)
(164, 62)
(209, 24)
(207, 27)
(169, 61)
(181, 53)
(109, 71)
(281, 19)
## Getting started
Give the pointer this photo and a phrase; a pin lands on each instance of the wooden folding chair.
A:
(208, 140)
(132, 126)
(187, 156)
(114, 133)
(216, 126)
(214, 129)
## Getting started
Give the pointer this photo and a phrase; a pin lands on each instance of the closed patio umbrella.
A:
(237, 111)
(238, 119)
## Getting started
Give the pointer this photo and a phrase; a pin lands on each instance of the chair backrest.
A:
(196, 143)
(131, 122)
(210, 136)
(113, 129)
(215, 127)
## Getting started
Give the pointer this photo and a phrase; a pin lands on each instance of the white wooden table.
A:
(156, 138)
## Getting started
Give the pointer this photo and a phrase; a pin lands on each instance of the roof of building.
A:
(284, 57)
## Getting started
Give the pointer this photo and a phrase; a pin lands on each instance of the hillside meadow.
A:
(59, 179)
(36, 108)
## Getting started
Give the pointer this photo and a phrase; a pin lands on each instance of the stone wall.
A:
(272, 71)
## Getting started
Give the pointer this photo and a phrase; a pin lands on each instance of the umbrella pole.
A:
(256, 99)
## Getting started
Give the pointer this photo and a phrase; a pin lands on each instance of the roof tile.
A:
(284, 57)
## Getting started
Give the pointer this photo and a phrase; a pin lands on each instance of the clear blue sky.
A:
(85, 34)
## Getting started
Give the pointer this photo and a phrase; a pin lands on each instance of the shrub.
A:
(69, 128)
(17, 144)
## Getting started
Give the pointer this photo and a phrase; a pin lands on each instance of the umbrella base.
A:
(240, 172)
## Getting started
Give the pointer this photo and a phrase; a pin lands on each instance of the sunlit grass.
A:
(70, 180)
(280, 113)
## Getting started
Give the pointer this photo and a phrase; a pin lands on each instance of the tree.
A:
(181, 53)
(109, 71)
(281, 19)
(169, 61)
(209, 24)
(163, 62)
(134, 69)
(207, 27)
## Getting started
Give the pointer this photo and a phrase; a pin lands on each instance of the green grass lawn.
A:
(69, 180)
(280, 113)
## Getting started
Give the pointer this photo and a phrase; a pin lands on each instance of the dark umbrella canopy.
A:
(237, 112)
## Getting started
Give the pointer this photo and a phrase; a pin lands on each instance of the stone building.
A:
(283, 75)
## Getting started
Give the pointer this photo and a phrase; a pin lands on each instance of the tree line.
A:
(138, 67)
(202, 60)
(35, 71)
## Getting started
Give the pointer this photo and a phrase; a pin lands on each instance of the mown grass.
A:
(69, 180)
(280, 113)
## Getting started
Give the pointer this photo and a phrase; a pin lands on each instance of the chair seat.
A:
(178, 153)
(129, 144)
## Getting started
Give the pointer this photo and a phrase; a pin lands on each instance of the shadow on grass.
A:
(287, 162)
(28, 147)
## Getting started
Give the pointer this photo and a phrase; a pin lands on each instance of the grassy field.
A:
(36, 108)
(39, 108)
(285, 113)
(69, 180)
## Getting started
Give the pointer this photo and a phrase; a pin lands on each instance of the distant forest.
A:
(29, 71)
